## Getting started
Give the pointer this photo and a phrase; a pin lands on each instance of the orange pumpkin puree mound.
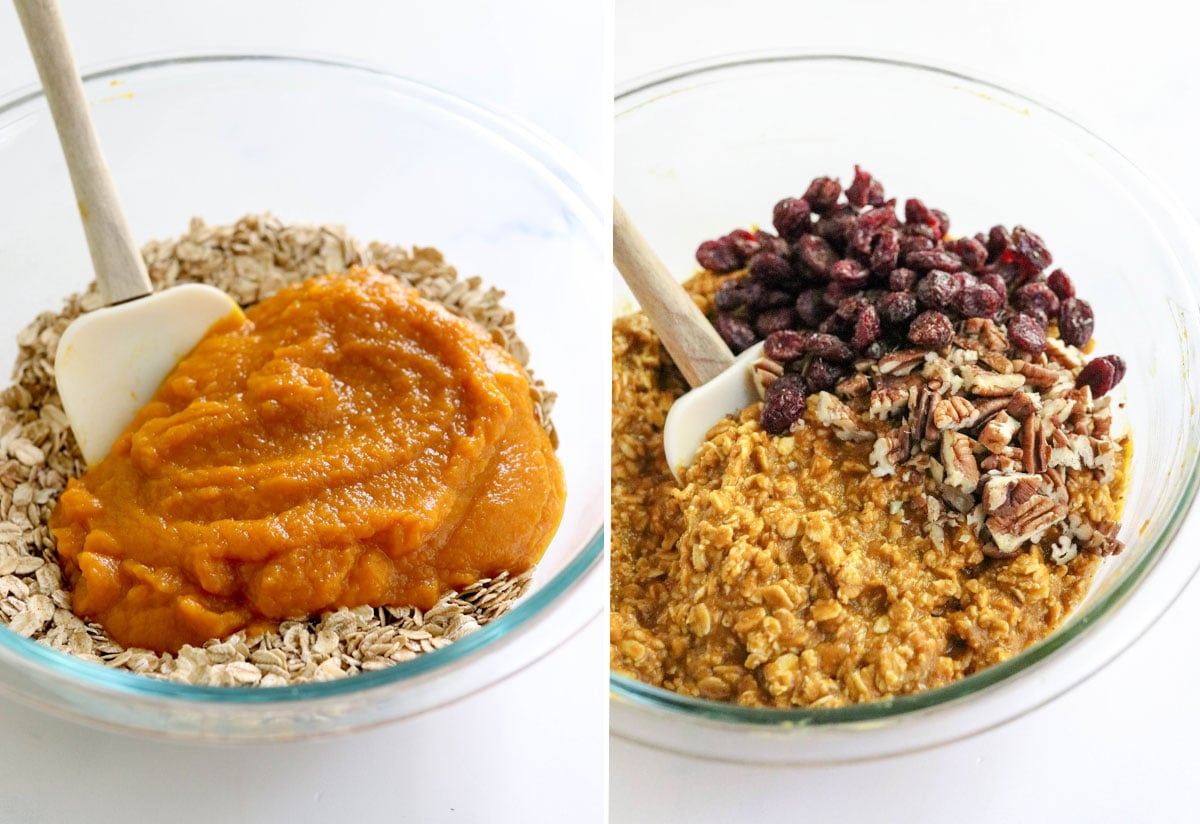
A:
(349, 443)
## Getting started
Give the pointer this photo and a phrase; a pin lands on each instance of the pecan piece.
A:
(998, 432)
(998, 362)
(1018, 511)
(765, 372)
(1043, 377)
(890, 450)
(955, 412)
(1061, 353)
(885, 400)
(837, 416)
(1023, 405)
(854, 386)
(962, 472)
(1035, 451)
(901, 362)
(989, 384)
(1006, 464)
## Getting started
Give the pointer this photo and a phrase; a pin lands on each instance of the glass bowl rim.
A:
(636, 693)
(554, 159)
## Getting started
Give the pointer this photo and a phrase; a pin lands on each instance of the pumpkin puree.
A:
(348, 443)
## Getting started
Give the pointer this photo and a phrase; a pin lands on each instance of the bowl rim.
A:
(570, 173)
(794, 720)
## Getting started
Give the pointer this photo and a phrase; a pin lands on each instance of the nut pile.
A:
(846, 280)
(997, 439)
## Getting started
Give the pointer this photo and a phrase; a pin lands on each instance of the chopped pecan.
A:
(988, 407)
(1042, 377)
(1018, 511)
(901, 362)
(962, 472)
(998, 432)
(989, 384)
(854, 386)
(1023, 405)
(955, 412)
(1062, 451)
(1055, 411)
(765, 372)
(885, 400)
(920, 416)
(890, 450)
(836, 415)
(1035, 451)
(1060, 352)
(1001, 463)
(997, 362)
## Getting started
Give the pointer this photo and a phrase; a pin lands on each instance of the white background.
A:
(1122, 747)
(531, 749)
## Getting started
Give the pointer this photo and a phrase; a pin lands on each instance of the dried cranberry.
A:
(866, 328)
(792, 217)
(972, 253)
(729, 296)
(999, 241)
(835, 227)
(997, 283)
(868, 226)
(783, 404)
(746, 243)
(771, 299)
(835, 293)
(816, 254)
(822, 194)
(917, 212)
(1076, 321)
(886, 253)
(934, 259)
(772, 243)
(1027, 334)
(939, 290)
(828, 347)
(785, 345)
(770, 269)
(865, 189)
(753, 294)
(735, 332)
(1102, 374)
(943, 219)
(822, 375)
(1060, 284)
(931, 330)
(979, 300)
(1036, 299)
(897, 308)
(810, 308)
(719, 256)
(1031, 250)
(774, 320)
(1007, 271)
(902, 280)
(849, 272)
(849, 308)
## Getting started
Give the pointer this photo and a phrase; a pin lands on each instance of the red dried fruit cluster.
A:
(861, 282)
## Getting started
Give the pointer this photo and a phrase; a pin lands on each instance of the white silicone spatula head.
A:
(720, 384)
(111, 361)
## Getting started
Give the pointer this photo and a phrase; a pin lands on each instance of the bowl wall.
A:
(703, 150)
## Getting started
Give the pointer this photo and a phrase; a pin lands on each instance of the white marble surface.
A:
(1122, 746)
(529, 749)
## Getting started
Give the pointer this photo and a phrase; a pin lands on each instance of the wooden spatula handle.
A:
(119, 267)
(691, 340)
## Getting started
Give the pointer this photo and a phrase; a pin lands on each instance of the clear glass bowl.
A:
(703, 149)
(391, 160)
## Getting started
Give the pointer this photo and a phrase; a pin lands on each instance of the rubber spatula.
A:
(110, 361)
(720, 383)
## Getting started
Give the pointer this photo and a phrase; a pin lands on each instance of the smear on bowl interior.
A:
(359, 471)
(927, 487)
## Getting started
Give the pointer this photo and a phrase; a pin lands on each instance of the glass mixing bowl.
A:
(392, 160)
(705, 148)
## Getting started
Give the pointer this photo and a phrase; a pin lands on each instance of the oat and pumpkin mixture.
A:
(911, 502)
(252, 260)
